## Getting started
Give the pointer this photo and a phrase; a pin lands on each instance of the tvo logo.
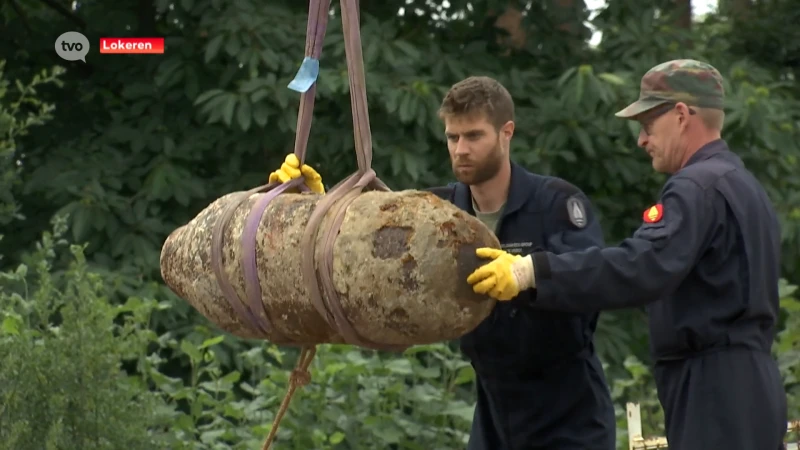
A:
(72, 46)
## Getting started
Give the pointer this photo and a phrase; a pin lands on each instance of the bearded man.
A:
(540, 385)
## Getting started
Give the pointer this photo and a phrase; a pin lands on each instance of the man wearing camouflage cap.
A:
(705, 261)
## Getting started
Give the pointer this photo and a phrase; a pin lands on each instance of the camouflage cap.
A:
(682, 80)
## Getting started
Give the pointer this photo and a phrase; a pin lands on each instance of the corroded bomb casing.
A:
(400, 265)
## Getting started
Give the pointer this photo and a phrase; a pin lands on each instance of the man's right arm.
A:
(642, 269)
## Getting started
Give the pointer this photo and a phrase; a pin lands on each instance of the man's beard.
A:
(480, 172)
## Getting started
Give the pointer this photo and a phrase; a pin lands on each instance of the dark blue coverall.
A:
(708, 272)
(540, 384)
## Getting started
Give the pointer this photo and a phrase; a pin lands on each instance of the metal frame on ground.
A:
(638, 442)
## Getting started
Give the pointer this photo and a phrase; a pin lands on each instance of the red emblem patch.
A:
(654, 213)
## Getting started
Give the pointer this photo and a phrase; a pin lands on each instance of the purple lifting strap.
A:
(318, 274)
(315, 36)
(217, 260)
(249, 266)
(252, 312)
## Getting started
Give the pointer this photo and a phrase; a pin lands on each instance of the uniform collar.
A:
(707, 151)
(518, 192)
(519, 189)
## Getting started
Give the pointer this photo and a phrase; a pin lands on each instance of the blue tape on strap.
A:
(306, 76)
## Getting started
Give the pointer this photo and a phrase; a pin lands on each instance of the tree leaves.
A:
(141, 144)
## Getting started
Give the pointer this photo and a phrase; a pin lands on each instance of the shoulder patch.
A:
(576, 211)
(653, 214)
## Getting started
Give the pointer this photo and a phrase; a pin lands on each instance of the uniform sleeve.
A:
(573, 223)
(642, 269)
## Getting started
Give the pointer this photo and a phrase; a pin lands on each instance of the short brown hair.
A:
(712, 118)
(479, 95)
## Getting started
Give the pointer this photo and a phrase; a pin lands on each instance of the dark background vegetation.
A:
(100, 161)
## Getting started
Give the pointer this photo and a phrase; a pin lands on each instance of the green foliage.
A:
(20, 110)
(133, 146)
(61, 384)
(356, 400)
(788, 349)
(639, 385)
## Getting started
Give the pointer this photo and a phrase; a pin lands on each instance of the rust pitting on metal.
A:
(277, 226)
(169, 258)
(468, 261)
(451, 236)
(391, 242)
(431, 198)
(409, 267)
(402, 231)
(398, 320)
(448, 228)
(371, 301)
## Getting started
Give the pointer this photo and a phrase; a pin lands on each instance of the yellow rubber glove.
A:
(504, 277)
(291, 169)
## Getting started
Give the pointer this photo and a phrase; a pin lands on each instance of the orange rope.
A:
(300, 377)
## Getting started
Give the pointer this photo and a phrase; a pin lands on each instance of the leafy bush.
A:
(81, 372)
(99, 354)
(17, 116)
(61, 383)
